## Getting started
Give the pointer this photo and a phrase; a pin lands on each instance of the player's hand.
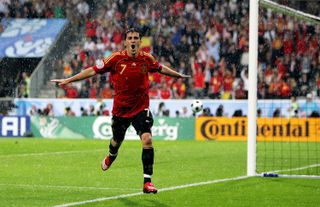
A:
(185, 76)
(60, 82)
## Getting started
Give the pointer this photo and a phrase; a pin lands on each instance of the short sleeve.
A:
(154, 66)
(105, 64)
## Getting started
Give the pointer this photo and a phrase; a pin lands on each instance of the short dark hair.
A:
(132, 29)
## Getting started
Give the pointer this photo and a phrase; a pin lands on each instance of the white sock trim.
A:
(113, 155)
(146, 176)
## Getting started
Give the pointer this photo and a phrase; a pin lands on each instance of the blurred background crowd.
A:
(208, 39)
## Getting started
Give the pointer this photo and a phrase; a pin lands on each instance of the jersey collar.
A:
(140, 53)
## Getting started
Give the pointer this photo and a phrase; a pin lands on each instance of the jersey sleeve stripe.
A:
(150, 56)
(110, 57)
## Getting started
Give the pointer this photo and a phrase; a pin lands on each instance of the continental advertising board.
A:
(268, 129)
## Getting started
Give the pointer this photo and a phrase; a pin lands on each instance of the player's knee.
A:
(146, 139)
(115, 142)
(117, 138)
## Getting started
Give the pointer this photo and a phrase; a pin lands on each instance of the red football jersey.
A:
(129, 76)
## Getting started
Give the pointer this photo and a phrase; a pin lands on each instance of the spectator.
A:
(71, 91)
(238, 113)
(244, 60)
(26, 84)
(34, 111)
(294, 107)
(48, 110)
(183, 49)
(162, 111)
(215, 82)
(219, 111)
(57, 10)
(310, 108)
(227, 85)
(91, 110)
(179, 89)
(318, 83)
(184, 112)
(154, 92)
(206, 112)
(285, 89)
(106, 92)
(94, 90)
(240, 92)
(209, 67)
(213, 49)
(198, 75)
(83, 111)
(303, 84)
(100, 108)
(202, 54)
(89, 45)
(259, 112)
(84, 92)
(165, 92)
(69, 112)
(277, 113)
(83, 8)
(245, 79)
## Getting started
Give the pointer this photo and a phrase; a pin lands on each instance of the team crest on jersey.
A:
(99, 64)
(143, 68)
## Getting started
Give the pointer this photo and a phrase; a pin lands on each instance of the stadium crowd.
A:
(208, 39)
(75, 11)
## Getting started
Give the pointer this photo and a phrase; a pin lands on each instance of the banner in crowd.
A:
(268, 129)
(173, 108)
(100, 128)
(29, 37)
(14, 126)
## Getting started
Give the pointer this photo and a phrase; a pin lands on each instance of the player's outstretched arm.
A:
(87, 73)
(170, 72)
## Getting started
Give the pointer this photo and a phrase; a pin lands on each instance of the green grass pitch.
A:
(41, 172)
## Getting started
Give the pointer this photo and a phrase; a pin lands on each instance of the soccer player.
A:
(129, 70)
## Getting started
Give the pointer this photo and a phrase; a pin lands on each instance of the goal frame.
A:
(253, 81)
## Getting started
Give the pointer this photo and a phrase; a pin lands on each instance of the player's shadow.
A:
(145, 203)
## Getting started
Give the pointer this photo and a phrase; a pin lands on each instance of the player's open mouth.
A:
(133, 47)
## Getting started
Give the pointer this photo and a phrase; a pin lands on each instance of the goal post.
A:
(252, 92)
(281, 150)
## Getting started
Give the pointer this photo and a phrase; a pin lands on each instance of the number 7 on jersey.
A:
(123, 68)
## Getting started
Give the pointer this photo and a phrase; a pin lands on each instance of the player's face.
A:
(132, 43)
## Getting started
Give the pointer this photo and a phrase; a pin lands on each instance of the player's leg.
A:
(147, 156)
(147, 161)
(143, 123)
(119, 127)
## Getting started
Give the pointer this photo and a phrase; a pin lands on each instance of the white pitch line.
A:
(298, 168)
(50, 153)
(202, 183)
(160, 190)
(66, 187)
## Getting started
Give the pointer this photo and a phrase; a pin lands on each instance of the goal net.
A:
(284, 86)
